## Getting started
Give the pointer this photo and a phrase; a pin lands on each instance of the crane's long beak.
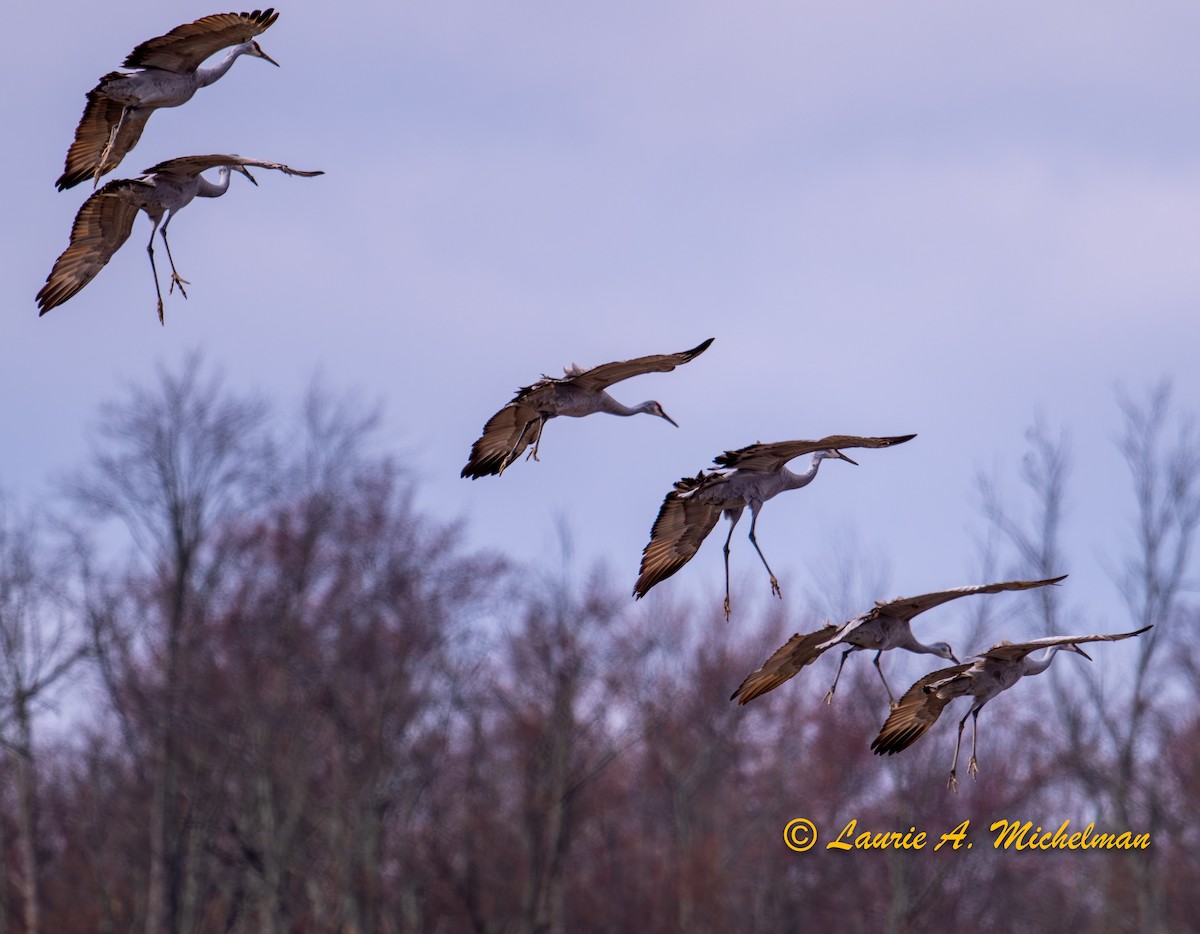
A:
(845, 458)
(261, 54)
(1075, 648)
(668, 418)
(245, 171)
(954, 659)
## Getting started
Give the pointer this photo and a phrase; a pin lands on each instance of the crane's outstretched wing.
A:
(186, 47)
(905, 608)
(771, 457)
(100, 115)
(682, 525)
(188, 166)
(1015, 651)
(509, 431)
(789, 658)
(101, 226)
(917, 711)
(603, 376)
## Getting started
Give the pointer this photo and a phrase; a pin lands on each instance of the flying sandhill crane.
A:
(578, 393)
(169, 74)
(106, 219)
(690, 511)
(885, 626)
(982, 678)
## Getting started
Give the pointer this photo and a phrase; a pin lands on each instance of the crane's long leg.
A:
(973, 766)
(829, 693)
(508, 458)
(107, 151)
(753, 541)
(538, 442)
(953, 783)
(891, 697)
(154, 270)
(176, 279)
(733, 516)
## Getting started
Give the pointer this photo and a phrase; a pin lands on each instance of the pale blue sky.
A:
(927, 217)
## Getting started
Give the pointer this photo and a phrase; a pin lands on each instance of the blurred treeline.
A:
(249, 685)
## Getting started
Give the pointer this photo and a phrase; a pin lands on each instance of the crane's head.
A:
(942, 650)
(833, 455)
(253, 48)
(653, 408)
(245, 171)
(1074, 648)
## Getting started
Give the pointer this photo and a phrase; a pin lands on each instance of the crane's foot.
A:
(161, 320)
(953, 783)
(178, 280)
(775, 591)
(726, 609)
(973, 769)
(829, 698)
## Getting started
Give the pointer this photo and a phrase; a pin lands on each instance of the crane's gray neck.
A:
(797, 480)
(919, 648)
(1036, 666)
(613, 407)
(207, 189)
(207, 75)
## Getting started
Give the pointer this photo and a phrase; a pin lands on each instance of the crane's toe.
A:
(178, 280)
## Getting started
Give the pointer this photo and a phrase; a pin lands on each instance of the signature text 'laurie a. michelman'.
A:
(1006, 834)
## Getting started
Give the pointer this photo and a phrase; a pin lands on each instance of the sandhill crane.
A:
(106, 219)
(578, 393)
(885, 626)
(169, 74)
(982, 678)
(690, 511)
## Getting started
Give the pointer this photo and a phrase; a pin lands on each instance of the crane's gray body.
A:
(152, 88)
(982, 677)
(105, 220)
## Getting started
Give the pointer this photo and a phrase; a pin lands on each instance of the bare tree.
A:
(38, 647)
(553, 701)
(170, 464)
(1114, 733)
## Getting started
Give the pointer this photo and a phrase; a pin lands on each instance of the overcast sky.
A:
(939, 218)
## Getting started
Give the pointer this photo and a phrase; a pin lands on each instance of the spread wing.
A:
(1015, 651)
(188, 166)
(186, 47)
(905, 608)
(603, 376)
(770, 457)
(505, 436)
(789, 658)
(101, 226)
(917, 711)
(100, 115)
(682, 525)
